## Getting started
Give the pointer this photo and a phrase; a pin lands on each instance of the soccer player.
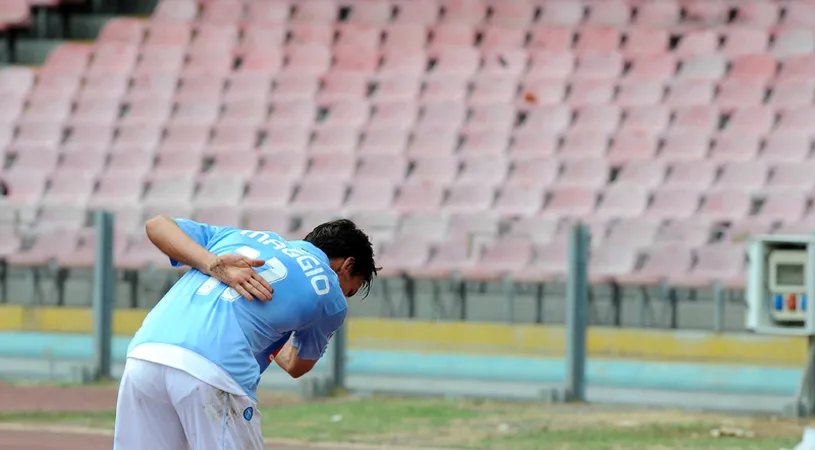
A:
(193, 367)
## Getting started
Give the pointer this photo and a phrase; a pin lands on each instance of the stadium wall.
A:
(480, 338)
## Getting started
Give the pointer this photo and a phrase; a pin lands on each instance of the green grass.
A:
(488, 425)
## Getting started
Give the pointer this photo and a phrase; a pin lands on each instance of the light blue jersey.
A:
(205, 316)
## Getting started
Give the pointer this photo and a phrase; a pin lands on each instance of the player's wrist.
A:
(212, 265)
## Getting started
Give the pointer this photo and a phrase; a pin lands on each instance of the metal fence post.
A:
(339, 354)
(577, 313)
(103, 295)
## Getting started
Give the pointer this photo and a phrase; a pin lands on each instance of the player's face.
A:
(349, 283)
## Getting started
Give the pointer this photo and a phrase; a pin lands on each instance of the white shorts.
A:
(162, 408)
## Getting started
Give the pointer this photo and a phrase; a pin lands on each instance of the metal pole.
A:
(103, 294)
(576, 313)
(339, 353)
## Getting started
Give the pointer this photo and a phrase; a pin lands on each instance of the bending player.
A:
(193, 367)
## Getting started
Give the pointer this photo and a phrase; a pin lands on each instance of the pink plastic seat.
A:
(659, 68)
(430, 141)
(64, 216)
(539, 228)
(43, 160)
(175, 190)
(646, 93)
(791, 94)
(46, 111)
(519, 200)
(507, 62)
(493, 118)
(673, 203)
(243, 113)
(343, 86)
(137, 138)
(690, 93)
(124, 30)
(753, 67)
(242, 163)
(691, 174)
(355, 59)
(793, 42)
(503, 256)
(146, 111)
(687, 146)
(38, 136)
(220, 215)
(370, 196)
(448, 258)
(597, 118)
(318, 196)
(744, 41)
(332, 166)
(403, 62)
(99, 112)
(597, 66)
(439, 169)
(734, 94)
(349, 113)
(233, 138)
(493, 90)
(787, 206)
(611, 261)
(632, 233)
(540, 172)
(308, 59)
(735, 148)
(645, 41)
(397, 114)
(527, 144)
(311, 33)
(797, 68)
(293, 112)
(469, 198)
(87, 162)
(628, 147)
(791, 177)
(383, 141)
(220, 189)
(702, 67)
(547, 120)
(598, 40)
(382, 167)
(658, 14)
(268, 218)
(258, 194)
(440, 90)
(794, 120)
(484, 143)
(660, 264)
(320, 11)
(338, 139)
(588, 173)
(652, 120)
(402, 255)
(118, 188)
(431, 226)
(549, 263)
(90, 138)
(622, 202)
(397, 88)
(645, 174)
(701, 119)
(295, 87)
(713, 263)
(551, 65)
(571, 202)
(47, 246)
(584, 145)
(418, 196)
(725, 205)
(489, 170)
(747, 175)
(785, 147)
(285, 138)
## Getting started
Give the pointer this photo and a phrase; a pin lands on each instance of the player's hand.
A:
(238, 272)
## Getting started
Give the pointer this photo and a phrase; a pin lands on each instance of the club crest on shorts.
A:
(248, 413)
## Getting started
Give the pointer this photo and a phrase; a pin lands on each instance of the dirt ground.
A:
(74, 399)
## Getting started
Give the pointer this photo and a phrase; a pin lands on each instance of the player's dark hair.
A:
(342, 239)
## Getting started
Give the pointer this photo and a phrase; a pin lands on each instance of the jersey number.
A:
(272, 272)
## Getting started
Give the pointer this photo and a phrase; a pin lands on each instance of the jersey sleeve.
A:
(199, 232)
(312, 341)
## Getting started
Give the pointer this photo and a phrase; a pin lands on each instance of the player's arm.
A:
(187, 247)
(305, 347)
(288, 360)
